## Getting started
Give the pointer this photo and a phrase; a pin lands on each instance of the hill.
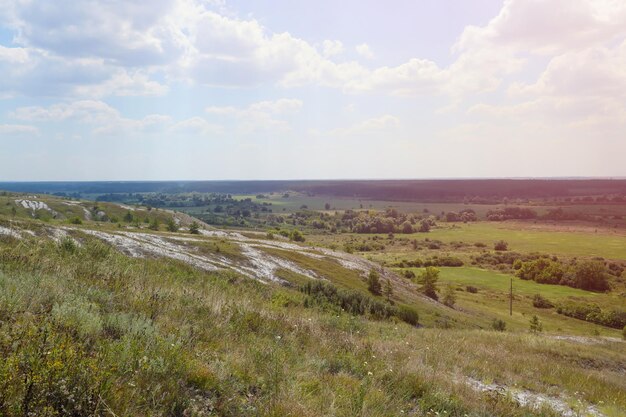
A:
(121, 310)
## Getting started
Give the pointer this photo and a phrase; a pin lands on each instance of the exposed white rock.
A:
(34, 206)
(535, 400)
(10, 232)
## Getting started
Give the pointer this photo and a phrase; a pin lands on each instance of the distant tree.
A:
(154, 224)
(424, 226)
(296, 236)
(429, 278)
(171, 225)
(13, 211)
(373, 283)
(406, 227)
(535, 324)
(591, 275)
(449, 297)
(194, 228)
(388, 289)
(540, 302)
(128, 217)
(500, 246)
(327, 206)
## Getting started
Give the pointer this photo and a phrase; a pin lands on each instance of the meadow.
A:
(86, 329)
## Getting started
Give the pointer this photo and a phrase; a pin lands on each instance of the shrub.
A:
(498, 325)
(535, 324)
(408, 315)
(449, 261)
(471, 289)
(194, 228)
(409, 274)
(449, 297)
(501, 246)
(75, 220)
(354, 302)
(78, 315)
(591, 275)
(373, 283)
(624, 333)
(171, 225)
(68, 245)
(540, 302)
(296, 236)
(429, 278)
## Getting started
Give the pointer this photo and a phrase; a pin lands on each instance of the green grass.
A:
(88, 331)
(492, 300)
(155, 337)
(519, 238)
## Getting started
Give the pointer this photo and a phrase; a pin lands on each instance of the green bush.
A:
(75, 220)
(326, 295)
(593, 313)
(498, 325)
(501, 245)
(540, 302)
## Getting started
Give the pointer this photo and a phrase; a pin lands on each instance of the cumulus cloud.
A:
(374, 125)
(365, 51)
(103, 118)
(8, 130)
(196, 126)
(262, 115)
(332, 48)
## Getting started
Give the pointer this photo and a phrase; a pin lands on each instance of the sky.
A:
(287, 89)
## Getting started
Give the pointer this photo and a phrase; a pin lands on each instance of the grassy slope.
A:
(156, 337)
(90, 330)
(492, 300)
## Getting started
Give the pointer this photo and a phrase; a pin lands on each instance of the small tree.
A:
(590, 275)
(424, 226)
(128, 217)
(154, 224)
(535, 324)
(429, 278)
(296, 236)
(327, 206)
(373, 283)
(171, 225)
(449, 297)
(406, 227)
(501, 245)
(388, 289)
(194, 228)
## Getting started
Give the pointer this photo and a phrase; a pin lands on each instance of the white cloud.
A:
(104, 119)
(262, 115)
(375, 125)
(332, 48)
(365, 51)
(196, 126)
(18, 130)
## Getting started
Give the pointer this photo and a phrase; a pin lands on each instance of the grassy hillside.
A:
(102, 318)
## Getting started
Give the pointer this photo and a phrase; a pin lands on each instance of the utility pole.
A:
(511, 298)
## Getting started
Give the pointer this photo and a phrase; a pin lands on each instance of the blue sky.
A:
(260, 89)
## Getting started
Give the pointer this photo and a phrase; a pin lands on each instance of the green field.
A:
(604, 243)
(492, 300)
